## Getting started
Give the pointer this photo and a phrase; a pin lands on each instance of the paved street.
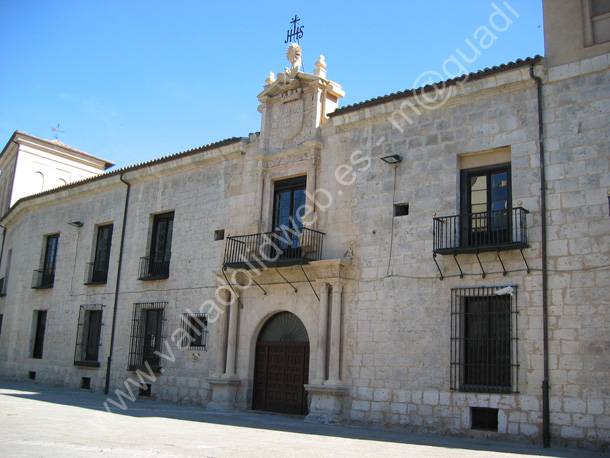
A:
(42, 421)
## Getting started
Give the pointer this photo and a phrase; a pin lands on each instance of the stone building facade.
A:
(421, 260)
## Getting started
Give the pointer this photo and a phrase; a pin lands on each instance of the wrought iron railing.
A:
(153, 270)
(281, 247)
(483, 231)
(43, 278)
(95, 275)
(3, 282)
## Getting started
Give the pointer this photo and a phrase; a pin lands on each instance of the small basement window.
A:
(401, 209)
(484, 418)
(219, 234)
(32, 375)
(85, 383)
(146, 392)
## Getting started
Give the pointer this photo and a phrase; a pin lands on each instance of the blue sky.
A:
(134, 80)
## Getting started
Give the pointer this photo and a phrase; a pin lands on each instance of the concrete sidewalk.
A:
(43, 421)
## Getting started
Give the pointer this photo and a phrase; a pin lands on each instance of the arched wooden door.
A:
(281, 367)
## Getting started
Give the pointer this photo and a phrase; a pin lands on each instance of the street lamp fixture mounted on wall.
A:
(76, 223)
(393, 159)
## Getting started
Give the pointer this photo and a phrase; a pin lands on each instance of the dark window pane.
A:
(160, 250)
(41, 324)
(102, 254)
(152, 336)
(50, 258)
(600, 7)
(486, 203)
(93, 335)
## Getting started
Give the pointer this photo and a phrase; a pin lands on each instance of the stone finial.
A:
(294, 57)
(271, 78)
(320, 70)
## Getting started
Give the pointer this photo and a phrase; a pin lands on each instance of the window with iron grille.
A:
(146, 343)
(195, 326)
(484, 354)
(88, 336)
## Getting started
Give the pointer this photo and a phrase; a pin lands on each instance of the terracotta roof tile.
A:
(408, 92)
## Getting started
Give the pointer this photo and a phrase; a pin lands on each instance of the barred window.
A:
(484, 354)
(195, 326)
(88, 335)
(147, 335)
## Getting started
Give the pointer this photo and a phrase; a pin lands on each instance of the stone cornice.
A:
(304, 148)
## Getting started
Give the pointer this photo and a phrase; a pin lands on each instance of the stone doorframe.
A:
(326, 389)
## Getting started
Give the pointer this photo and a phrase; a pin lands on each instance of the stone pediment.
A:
(301, 80)
(295, 104)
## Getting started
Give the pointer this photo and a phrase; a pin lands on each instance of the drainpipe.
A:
(546, 432)
(3, 239)
(118, 283)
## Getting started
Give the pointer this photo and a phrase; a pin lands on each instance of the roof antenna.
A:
(57, 131)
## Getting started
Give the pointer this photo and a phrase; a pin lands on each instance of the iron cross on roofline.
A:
(297, 31)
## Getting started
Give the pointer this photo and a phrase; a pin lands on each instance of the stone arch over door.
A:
(281, 367)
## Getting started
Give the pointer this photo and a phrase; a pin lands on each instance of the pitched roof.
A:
(55, 142)
(429, 88)
(228, 141)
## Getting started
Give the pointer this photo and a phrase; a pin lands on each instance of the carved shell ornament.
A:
(294, 55)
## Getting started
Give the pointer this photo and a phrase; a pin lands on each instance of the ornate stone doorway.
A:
(281, 367)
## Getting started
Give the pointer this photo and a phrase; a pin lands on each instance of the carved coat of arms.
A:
(290, 119)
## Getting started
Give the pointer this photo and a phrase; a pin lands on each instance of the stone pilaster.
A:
(322, 333)
(334, 373)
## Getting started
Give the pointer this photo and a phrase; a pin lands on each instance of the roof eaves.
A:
(428, 88)
(107, 163)
(219, 144)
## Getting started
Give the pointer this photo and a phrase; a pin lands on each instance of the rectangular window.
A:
(195, 326)
(596, 21)
(401, 209)
(50, 259)
(288, 210)
(484, 340)
(4, 281)
(98, 271)
(146, 335)
(156, 265)
(484, 418)
(41, 323)
(45, 277)
(486, 206)
(1, 319)
(88, 335)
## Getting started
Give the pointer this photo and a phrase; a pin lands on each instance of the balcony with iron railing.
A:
(273, 249)
(154, 270)
(95, 274)
(43, 279)
(496, 230)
